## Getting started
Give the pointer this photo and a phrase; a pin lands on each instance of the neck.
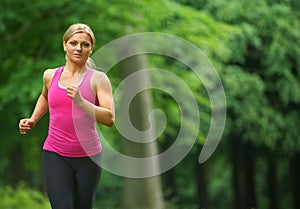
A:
(75, 69)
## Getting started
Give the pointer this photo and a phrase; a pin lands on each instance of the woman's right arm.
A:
(41, 106)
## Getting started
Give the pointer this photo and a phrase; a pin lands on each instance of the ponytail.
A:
(90, 63)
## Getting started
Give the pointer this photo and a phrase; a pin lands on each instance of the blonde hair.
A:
(81, 28)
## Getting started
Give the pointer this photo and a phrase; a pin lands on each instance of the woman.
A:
(76, 97)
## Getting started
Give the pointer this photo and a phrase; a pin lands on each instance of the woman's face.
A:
(78, 48)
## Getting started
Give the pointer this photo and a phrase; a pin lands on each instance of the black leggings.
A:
(71, 183)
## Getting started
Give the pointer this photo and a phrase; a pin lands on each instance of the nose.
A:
(78, 47)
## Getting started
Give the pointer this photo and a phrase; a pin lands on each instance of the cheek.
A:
(88, 52)
(67, 49)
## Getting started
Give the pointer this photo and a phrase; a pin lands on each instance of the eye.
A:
(73, 43)
(86, 45)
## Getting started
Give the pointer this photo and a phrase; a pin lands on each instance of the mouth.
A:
(77, 55)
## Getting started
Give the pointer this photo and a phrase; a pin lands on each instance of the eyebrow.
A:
(84, 42)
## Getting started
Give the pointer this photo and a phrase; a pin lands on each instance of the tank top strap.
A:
(56, 75)
(85, 87)
(89, 74)
(85, 83)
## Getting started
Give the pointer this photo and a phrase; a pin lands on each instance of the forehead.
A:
(81, 37)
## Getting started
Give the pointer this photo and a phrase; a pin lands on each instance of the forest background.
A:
(253, 44)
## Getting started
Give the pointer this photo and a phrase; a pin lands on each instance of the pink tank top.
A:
(72, 132)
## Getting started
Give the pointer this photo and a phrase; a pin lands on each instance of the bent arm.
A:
(105, 112)
(40, 109)
(42, 106)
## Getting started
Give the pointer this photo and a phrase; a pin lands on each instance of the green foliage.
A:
(209, 35)
(261, 76)
(22, 197)
(266, 47)
(251, 116)
(291, 144)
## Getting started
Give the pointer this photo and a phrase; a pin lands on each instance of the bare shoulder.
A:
(100, 82)
(48, 75)
(99, 78)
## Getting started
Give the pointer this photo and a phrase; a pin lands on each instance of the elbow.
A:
(105, 117)
(110, 120)
(110, 123)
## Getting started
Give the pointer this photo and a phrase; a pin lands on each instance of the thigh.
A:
(59, 181)
(87, 181)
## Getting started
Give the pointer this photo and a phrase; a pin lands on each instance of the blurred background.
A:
(253, 44)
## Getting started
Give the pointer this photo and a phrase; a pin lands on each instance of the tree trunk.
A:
(272, 180)
(169, 179)
(17, 164)
(237, 173)
(249, 165)
(202, 184)
(295, 174)
(140, 193)
(243, 174)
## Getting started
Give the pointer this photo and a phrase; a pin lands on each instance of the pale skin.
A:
(77, 48)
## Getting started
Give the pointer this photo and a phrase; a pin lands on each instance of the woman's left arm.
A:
(105, 112)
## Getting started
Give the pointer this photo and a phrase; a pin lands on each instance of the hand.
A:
(74, 93)
(25, 125)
